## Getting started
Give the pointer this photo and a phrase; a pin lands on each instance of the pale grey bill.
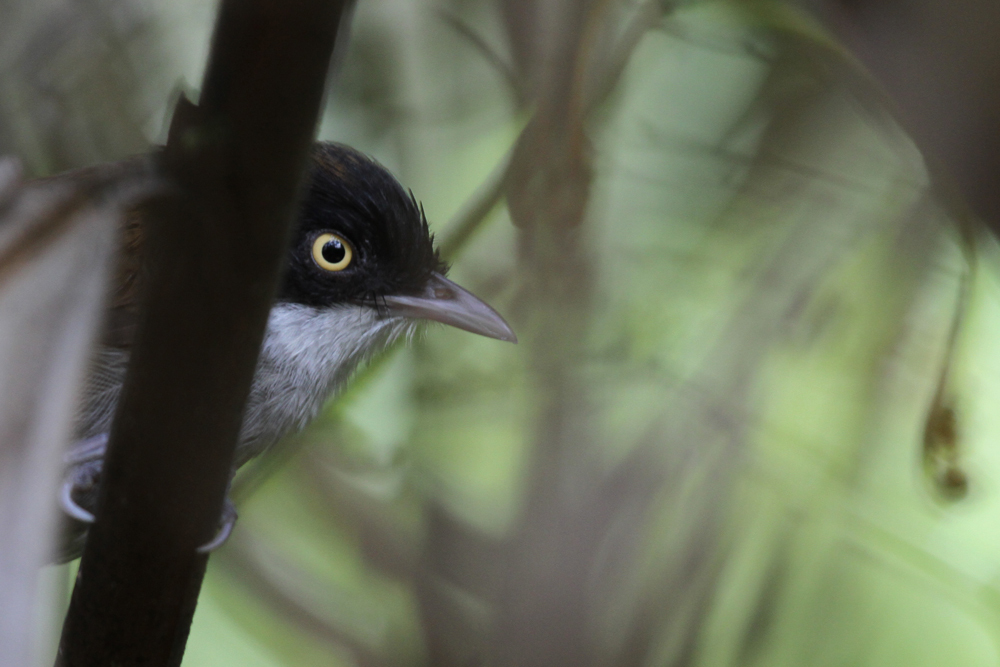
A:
(445, 302)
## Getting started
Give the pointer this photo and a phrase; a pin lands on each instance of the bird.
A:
(362, 271)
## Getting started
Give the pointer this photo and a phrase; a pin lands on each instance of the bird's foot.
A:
(78, 495)
(84, 462)
(226, 523)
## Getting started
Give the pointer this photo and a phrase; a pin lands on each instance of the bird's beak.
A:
(444, 301)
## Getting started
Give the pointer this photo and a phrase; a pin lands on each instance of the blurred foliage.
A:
(749, 422)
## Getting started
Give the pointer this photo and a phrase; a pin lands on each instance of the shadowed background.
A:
(750, 420)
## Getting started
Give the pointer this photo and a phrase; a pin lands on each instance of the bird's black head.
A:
(360, 237)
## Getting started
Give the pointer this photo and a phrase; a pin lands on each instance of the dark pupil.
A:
(333, 251)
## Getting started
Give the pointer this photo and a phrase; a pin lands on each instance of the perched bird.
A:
(362, 272)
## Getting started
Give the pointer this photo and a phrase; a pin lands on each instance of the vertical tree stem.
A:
(215, 248)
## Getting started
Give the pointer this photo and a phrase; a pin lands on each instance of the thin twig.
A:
(506, 69)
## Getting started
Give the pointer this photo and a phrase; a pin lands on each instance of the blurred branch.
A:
(938, 63)
(70, 91)
(462, 227)
(542, 616)
(215, 250)
(243, 560)
(56, 245)
(475, 210)
(647, 16)
(488, 52)
(383, 541)
(71, 193)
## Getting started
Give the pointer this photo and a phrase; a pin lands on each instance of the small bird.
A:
(362, 272)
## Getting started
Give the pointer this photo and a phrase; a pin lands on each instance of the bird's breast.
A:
(308, 355)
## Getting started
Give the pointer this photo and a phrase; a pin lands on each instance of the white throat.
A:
(308, 354)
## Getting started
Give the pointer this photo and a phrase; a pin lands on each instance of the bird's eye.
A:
(332, 252)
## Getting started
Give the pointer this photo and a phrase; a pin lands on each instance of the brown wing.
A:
(135, 180)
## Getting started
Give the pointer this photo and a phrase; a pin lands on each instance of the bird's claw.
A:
(226, 523)
(69, 505)
(84, 461)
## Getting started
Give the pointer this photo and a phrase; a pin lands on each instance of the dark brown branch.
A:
(937, 62)
(216, 246)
